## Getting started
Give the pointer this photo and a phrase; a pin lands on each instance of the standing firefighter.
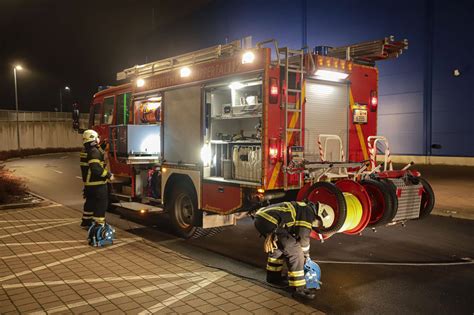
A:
(286, 227)
(94, 176)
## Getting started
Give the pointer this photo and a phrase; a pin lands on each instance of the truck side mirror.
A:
(75, 117)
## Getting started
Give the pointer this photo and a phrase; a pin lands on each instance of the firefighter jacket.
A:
(84, 165)
(93, 166)
(295, 217)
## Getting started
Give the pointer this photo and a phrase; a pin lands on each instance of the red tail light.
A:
(374, 101)
(274, 91)
(273, 151)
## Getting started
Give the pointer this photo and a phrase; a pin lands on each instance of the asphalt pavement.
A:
(421, 268)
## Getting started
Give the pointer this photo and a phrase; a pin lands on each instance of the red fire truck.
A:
(213, 134)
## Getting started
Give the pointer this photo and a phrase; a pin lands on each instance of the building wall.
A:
(420, 102)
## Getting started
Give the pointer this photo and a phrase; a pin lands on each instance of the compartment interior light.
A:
(236, 85)
(206, 154)
(329, 75)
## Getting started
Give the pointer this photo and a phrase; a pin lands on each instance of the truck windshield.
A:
(108, 116)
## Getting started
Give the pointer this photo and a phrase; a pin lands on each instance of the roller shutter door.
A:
(326, 113)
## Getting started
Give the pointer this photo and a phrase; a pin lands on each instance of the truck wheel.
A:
(393, 195)
(382, 202)
(427, 199)
(182, 207)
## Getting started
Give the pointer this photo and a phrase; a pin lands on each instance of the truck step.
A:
(138, 207)
(121, 197)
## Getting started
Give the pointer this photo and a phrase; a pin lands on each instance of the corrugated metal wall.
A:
(421, 102)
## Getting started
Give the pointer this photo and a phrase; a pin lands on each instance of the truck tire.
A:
(182, 207)
(393, 195)
(427, 199)
(382, 202)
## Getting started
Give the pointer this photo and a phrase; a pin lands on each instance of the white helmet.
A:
(89, 136)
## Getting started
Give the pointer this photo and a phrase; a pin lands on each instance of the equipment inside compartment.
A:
(233, 121)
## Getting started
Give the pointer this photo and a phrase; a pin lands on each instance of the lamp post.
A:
(66, 88)
(15, 69)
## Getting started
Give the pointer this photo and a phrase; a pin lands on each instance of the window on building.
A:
(108, 116)
(123, 106)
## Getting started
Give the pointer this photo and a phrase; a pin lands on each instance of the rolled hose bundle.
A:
(347, 203)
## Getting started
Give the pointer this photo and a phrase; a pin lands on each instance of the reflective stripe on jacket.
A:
(296, 217)
(96, 173)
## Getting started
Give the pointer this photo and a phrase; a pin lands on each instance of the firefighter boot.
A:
(277, 279)
(301, 293)
(86, 223)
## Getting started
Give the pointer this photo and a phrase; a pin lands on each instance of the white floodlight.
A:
(140, 82)
(248, 57)
(185, 72)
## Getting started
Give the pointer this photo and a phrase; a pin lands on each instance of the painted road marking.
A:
(61, 242)
(29, 209)
(79, 177)
(109, 297)
(38, 229)
(465, 261)
(45, 251)
(202, 275)
(181, 295)
(32, 224)
(59, 262)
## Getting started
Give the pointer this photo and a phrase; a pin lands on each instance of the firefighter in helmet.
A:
(94, 176)
(286, 227)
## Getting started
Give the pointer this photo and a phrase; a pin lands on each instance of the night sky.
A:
(81, 44)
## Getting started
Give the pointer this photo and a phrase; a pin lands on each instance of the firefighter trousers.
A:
(289, 251)
(96, 203)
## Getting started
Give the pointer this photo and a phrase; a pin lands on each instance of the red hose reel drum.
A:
(356, 189)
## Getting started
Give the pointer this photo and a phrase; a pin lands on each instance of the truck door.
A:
(326, 112)
(182, 125)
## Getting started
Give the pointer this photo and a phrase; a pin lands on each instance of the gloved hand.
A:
(270, 243)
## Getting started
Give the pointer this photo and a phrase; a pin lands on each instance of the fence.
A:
(39, 130)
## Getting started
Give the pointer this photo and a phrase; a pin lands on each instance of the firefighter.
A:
(287, 227)
(94, 176)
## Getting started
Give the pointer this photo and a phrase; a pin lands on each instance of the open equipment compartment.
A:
(233, 130)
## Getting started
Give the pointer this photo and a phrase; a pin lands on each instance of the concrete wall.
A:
(38, 130)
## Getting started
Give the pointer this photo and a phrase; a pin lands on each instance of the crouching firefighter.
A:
(95, 177)
(286, 227)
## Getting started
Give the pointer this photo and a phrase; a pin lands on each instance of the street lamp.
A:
(15, 69)
(66, 88)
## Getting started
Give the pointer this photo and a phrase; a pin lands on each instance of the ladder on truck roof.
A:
(188, 59)
(371, 51)
(293, 62)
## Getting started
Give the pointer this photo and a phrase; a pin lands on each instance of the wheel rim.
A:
(184, 209)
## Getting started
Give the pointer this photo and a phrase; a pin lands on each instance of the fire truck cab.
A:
(213, 134)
